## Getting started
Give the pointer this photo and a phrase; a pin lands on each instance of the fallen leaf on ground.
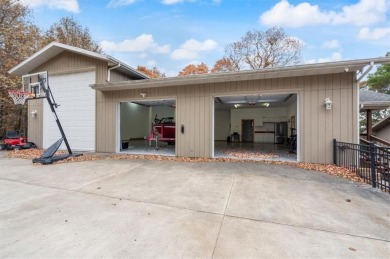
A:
(325, 168)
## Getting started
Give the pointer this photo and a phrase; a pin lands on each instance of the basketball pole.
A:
(53, 110)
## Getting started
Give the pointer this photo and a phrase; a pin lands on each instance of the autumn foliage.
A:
(329, 169)
(68, 31)
(151, 73)
(223, 65)
(192, 69)
(19, 39)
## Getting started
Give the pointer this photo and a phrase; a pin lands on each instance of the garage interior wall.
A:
(260, 116)
(136, 120)
(221, 125)
(194, 106)
(291, 111)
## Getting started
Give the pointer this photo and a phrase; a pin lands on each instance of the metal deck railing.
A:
(369, 161)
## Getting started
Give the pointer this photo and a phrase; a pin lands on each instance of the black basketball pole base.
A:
(48, 156)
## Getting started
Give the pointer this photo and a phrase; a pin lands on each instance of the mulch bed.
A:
(329, 169)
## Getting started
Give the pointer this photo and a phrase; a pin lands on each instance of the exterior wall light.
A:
(236, 105)
(34, 113)
(143, 95)
(328, 104)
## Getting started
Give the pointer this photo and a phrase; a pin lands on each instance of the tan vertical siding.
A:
(35, 125)
(65, 63)
(317, 126)
(383, 133)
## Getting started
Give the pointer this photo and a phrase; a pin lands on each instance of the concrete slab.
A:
(313, 200)
(72, 224)
(169, 209)
(241, 238)
(69, 176)
(14, 194)
(197, 186)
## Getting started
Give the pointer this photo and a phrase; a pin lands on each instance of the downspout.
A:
(109, 71)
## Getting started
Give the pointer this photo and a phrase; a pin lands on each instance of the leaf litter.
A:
(325, 168)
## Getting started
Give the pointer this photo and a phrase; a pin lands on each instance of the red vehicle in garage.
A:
(163, 130)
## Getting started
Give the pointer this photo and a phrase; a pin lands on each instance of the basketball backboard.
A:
(35, 84)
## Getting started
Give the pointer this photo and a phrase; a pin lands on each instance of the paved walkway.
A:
(169, 209)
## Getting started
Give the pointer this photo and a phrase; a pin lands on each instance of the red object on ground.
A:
(13, 140)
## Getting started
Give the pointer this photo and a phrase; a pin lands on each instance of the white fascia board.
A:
(288, 71)
(126, 67)
(48, 52)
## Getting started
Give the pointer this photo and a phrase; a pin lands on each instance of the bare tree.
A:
(258, 49)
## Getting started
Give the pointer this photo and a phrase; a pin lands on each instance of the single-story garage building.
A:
(103, 101)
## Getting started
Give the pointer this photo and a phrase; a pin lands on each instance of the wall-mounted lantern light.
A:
(328, 103)
(34, 113)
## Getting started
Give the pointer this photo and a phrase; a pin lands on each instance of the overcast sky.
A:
(170, 34)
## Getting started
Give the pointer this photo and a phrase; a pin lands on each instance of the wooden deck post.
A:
(369, 124)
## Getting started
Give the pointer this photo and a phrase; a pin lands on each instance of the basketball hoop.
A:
(19, 97)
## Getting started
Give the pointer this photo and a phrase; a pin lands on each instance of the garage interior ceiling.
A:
(254, 101)
(229, 102)
(150, 103)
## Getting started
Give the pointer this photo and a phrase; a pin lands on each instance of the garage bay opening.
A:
(256, 126)
(148, 127)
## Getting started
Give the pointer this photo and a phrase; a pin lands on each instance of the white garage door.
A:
(76, 111)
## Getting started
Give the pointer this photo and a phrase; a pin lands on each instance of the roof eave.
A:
(127, 68)
(289, 71)
(55, 48)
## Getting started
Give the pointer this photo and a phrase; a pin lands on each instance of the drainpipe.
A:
(109, 71)
(366, 72)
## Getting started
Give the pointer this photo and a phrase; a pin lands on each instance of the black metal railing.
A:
(370, 162)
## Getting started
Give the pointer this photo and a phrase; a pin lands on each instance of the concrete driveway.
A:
(185, 210)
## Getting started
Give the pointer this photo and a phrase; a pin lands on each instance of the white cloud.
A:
(143, 55)
(172, 2)
(336, 56)
(302, 42)
(375, 34)
(67, 5)
(117, 3)
(285, 14)
(151, 63)
(178, 54)
(190, 49)
(331, 44)
(364, 12)
(169, 2)
(143, 43)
